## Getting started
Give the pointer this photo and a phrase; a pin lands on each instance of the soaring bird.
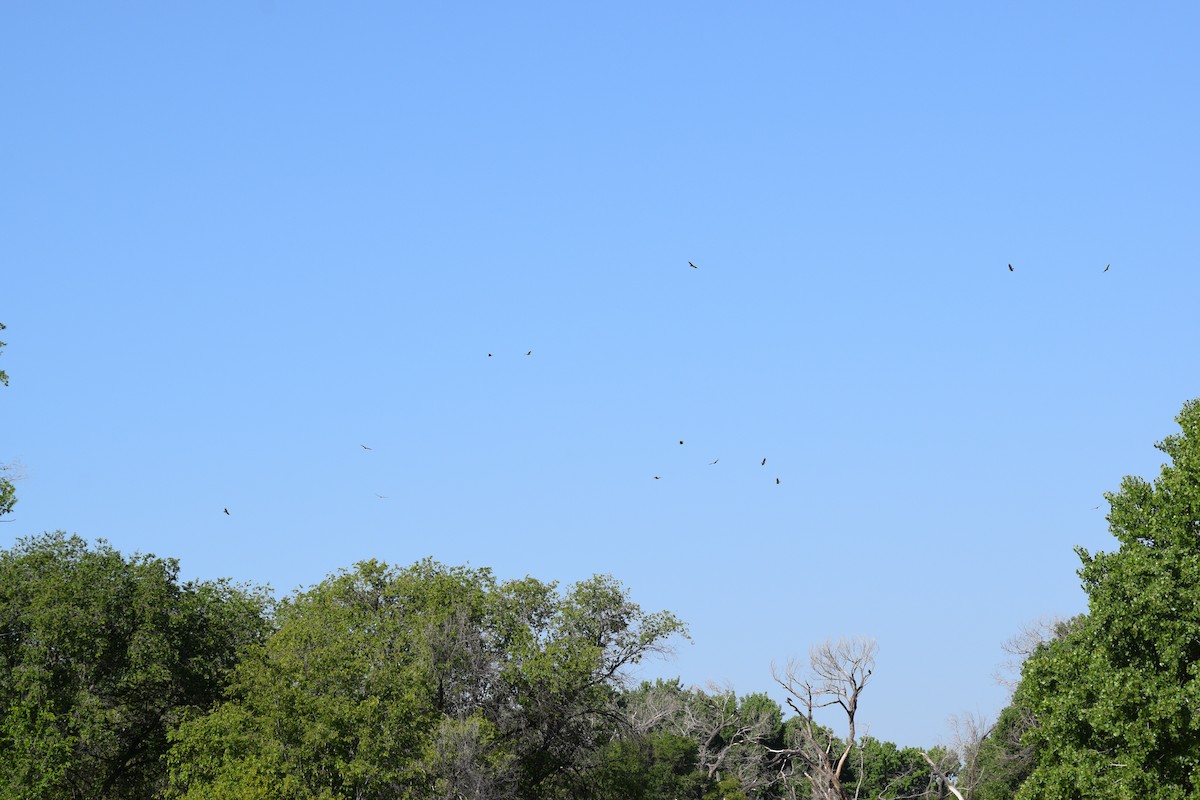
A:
(657, 478)
(381, 496)
(764, 462)
(226, 512)
(681, 441)
(1010, 269)
(489, 355)
(777, 481)
(1106, 268)
(715, 460)
(529, 353)
(693, 266)
(364, 447)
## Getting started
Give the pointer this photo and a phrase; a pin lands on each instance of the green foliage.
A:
(99, 657)
(424, 682)
(8, 495)
(654, 766)
(1118, 700)
(1004, 762)
(882, 770)
(732, 735)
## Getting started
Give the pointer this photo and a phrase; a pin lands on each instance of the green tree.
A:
(886, 772)
(734, 737)
(99, 656)
(1003, 761)
(1117, 701)
(423, 682)
(654, 766)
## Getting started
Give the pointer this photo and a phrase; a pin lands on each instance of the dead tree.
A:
(837, 674)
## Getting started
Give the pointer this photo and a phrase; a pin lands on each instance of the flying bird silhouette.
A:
(777, 481)
(764, 462)
(657, 478)
(364, 447)
(226, 512)
(1010, 269)
(529, 353)
(693, 266)
(489, 355)
(681, 441)
(382, 496)
(1106, 268)
(715, 460)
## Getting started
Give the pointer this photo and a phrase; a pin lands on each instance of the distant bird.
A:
(227, 512)
(764, 462)
(489, 355)
(529, 353)
(681, 441)
(777, 481)
(715, 460)
(381, 496)
(1094, 508)
(1106, 268)
(693, 266)
(364, 447)
(1010, 269)
(657, 478)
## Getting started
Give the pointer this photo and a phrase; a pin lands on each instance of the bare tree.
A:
(1026, 642)
(837, 674)
(967, 735)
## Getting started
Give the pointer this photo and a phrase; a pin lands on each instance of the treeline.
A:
(117, 680)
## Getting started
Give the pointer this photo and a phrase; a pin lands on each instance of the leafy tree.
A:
(732, 735)
(423, 682)
(1003, 761)
(1117, 701)
(886, 772)
(99, 656)
(653, 766)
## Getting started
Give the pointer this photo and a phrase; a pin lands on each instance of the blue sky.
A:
(241, 240)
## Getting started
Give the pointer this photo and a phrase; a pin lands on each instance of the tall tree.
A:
(425, 682)
(1117, 700)
(838, 673)
(99, 656)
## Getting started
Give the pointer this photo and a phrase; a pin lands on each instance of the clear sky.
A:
(240, 240)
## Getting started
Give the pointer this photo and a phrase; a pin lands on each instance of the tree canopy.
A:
(1117, 701)
(117, 680)
(100, 655)
(427, 681)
